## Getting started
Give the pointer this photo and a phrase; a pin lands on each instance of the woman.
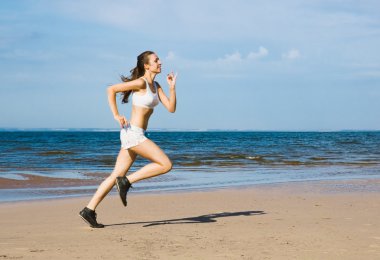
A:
(146, 94)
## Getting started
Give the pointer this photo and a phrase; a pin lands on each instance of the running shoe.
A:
(89, 216)
(123, 185)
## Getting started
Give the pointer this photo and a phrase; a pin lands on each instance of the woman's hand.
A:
(171, 79)
(122, 120)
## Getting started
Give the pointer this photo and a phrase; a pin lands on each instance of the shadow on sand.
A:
(191, 220)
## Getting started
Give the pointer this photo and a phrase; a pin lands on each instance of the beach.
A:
(266, 145)
(336, 219)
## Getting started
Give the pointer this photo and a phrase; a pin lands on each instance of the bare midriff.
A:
(140, 116)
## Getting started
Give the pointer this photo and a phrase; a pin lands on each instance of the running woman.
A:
(146, 94)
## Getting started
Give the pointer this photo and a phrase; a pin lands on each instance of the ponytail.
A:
(136, 72)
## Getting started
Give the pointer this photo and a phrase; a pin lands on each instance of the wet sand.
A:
(35, 181)
(306, 220)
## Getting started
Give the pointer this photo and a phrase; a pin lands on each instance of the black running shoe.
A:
(89, 216)
(123, 185)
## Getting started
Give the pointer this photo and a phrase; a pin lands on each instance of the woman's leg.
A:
(124, 161)
(160, 161)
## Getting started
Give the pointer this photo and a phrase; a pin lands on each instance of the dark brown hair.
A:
(136, 72)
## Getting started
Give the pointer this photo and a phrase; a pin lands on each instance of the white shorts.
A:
(132, 136)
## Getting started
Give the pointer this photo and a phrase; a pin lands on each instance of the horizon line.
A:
(94, 129)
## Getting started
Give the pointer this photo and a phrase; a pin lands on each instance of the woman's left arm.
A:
(171, 102)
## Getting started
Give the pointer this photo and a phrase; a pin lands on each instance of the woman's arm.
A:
(122, 87)
(169, 103)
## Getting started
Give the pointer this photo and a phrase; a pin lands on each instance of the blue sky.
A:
(248, 65)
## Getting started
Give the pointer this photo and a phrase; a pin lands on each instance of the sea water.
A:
(73, 163)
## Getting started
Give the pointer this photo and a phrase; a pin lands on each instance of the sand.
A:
(308, 220)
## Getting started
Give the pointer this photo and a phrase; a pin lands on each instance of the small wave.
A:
(106, 160)
(292, 163)
(13, 176)
(57, 152)
(218, 156)
(194, 163)
(214, 163)
(18, 149)
(348, 142)
(256, 158)
(95, 160)
(365, 163)
(318, 158)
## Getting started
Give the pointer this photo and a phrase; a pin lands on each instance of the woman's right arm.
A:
(122, 87)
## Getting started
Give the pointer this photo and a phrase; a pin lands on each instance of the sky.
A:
(290, 65)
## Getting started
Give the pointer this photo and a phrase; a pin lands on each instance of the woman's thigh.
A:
(149, 150)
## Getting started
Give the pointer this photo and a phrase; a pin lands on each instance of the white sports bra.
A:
(148, 100)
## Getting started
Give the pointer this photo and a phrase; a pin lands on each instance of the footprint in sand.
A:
(36, 250)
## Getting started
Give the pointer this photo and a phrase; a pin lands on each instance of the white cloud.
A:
(237, 57)
(234, 57)
(171, 56)
(242, 16)
(291, 54)
(256, 55)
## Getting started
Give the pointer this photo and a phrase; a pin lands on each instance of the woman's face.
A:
(154, 63)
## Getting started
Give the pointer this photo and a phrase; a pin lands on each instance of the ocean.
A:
(53, 164)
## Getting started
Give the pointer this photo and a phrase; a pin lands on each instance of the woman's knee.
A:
(167, 165)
